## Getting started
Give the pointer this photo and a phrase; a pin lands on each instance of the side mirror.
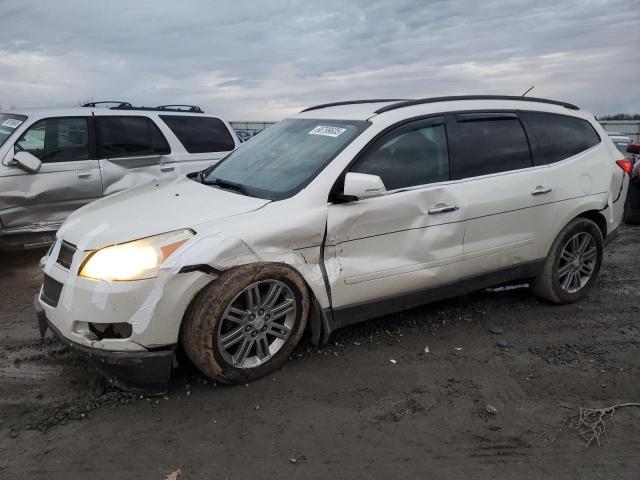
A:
(363, 185)
(633, 148)
(27, 162)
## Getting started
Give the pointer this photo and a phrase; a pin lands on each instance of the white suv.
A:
(342, 213)
(53, 161)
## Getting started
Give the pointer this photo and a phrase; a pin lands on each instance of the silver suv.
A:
(53, 161)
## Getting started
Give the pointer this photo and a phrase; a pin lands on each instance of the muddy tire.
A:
(573, 263)
(245, 324)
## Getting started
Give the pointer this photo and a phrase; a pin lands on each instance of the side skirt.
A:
(341, 317)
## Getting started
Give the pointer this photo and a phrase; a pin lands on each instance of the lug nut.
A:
(254, 334)
(260, 312)
(264, 329)
(248, 329)
(252, 317)
(267, 316)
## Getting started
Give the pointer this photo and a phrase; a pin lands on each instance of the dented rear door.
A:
(131, 149)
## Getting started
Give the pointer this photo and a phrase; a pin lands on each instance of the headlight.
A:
(135, 260)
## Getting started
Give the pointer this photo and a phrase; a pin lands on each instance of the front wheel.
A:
(245, 324)
(573, 263)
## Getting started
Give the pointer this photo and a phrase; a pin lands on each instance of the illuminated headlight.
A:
(135, 260)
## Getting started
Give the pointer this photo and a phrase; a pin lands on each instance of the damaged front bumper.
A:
(145, 372)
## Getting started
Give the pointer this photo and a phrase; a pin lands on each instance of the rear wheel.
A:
(246, 323)
(573, 263)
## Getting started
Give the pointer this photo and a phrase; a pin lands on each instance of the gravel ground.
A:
(373, 403)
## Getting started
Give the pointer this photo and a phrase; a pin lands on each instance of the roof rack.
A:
(408, 103)
(118, 105)
(181, 108)
(353, 102)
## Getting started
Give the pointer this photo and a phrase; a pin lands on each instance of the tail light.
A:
(626, 165)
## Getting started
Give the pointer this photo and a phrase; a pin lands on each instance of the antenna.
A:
(530, 88)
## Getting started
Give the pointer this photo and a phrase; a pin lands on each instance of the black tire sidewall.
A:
(224, 290)
(578, 226)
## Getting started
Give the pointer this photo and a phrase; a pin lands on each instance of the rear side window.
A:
(557, 137)
(409, 157)
(200, 134)
(129, 137)
(56, 140)
(490, 143)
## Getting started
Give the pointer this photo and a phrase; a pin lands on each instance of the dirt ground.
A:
(371, 404)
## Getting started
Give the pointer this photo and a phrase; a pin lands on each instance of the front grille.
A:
(65, 257)
(51, 291)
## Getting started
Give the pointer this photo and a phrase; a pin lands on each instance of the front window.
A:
(57, 140)
(283, 159)
(9, 123)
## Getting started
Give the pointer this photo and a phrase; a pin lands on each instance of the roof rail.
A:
(164, 108)
(118, 103)
(353, 102)
(408, 103)
(181, 108)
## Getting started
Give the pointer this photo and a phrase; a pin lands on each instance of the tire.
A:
(217, 345)
(551, 283)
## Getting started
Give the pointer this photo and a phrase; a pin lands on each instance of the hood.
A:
(151, 209)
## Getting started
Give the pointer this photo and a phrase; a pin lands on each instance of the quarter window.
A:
(200, 134)
(559, 136)
(490, 144)
(409, 158)
(56, 140)
(130, 136)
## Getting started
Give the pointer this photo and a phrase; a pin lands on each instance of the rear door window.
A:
(410, 156)
(57, 140)
(489, 143)
(129, 136)
(556, 137)
(200, 134)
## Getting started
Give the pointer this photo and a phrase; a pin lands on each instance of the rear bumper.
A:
(145, 372)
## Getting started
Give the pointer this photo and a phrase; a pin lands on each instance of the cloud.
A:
(266, 60)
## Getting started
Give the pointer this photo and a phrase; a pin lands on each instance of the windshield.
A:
(283, 159)
(9, 122)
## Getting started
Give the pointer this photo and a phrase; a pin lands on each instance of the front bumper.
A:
(146, 372)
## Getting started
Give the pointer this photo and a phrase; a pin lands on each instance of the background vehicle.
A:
(620, 140)
(53, 161)
(244, 135)
(345, 212)
(632, 205)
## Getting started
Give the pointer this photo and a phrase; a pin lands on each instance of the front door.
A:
(68, 178)
(407, 240)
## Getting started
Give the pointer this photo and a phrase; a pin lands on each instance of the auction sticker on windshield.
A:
(12, 123)
(327, 131)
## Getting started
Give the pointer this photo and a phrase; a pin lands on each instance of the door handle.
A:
(443, 209)
(166, 169)
(84, 174)
(541, 190)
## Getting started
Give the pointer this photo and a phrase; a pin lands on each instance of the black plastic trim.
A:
(144, 372)
(353, 102)
(421, 101)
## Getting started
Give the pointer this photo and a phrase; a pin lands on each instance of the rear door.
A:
(509, 199)
(68, 178)
(407, 240)
(205, 139)
(131, 150)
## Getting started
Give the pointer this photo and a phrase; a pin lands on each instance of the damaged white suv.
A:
(344, 212)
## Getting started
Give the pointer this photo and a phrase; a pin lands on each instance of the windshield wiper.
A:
(228, 184)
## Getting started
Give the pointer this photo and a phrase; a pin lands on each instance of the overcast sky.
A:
(264, 60)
